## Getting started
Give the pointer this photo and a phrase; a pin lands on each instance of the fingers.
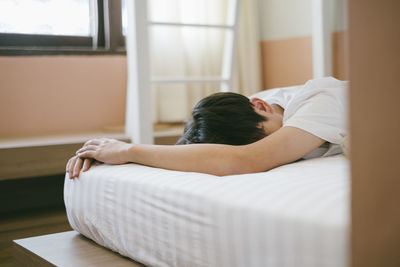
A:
(71, 165)
(87, 147)
(93, 142)
(77, 164)
(77, 167)
(68, 163)
(67, 167)
(86, 164)
(97, 142)
(87, 154)
(83, 158)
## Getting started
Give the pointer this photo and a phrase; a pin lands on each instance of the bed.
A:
(294, 215)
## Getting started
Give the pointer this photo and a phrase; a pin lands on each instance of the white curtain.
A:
(248, 67)
(177, 52)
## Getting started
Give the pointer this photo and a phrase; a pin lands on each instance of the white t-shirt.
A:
(318, 107)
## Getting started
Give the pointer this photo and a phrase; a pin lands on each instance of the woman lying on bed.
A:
(231, 134)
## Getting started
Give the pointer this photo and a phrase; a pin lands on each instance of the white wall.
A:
(283, 19)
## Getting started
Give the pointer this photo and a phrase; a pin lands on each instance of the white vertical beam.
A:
(230, 44)
(321, 38)
(94, 25)
(139, 121)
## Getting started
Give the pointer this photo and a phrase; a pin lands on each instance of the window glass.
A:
(49, 17)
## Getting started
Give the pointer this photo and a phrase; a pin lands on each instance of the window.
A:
(60, 26)
(45, 17)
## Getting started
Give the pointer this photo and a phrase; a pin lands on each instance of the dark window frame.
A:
(107, 40)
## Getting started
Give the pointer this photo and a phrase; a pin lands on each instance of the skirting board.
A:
(65, 249)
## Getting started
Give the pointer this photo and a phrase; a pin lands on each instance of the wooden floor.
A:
(27, 224)
(66, 249)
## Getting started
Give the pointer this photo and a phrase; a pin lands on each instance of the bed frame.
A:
(65, 249)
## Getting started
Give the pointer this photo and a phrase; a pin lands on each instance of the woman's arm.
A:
(283, 146)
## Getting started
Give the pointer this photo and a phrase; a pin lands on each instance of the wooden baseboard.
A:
(48, 155)
(42, 156)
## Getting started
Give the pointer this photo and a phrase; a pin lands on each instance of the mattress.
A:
(293, 215)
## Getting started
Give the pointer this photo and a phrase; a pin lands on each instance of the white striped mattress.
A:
(294, 215)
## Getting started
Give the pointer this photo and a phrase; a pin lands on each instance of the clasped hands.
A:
(101, 150)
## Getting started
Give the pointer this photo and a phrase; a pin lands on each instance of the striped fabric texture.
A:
(295, 215)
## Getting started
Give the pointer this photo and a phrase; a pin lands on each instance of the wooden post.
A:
(139, 120)
(374, 56)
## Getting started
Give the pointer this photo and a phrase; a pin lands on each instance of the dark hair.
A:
(223, 118)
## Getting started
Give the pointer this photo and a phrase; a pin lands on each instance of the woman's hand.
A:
(103, 150)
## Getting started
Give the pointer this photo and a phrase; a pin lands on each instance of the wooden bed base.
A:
(65, 249)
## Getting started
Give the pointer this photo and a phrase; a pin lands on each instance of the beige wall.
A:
(42, 95)
(289, 61)
(286, 62)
